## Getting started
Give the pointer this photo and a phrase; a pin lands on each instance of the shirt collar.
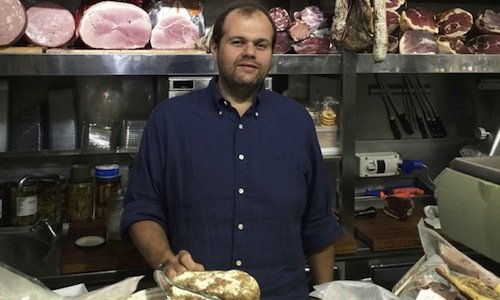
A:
(219, 101)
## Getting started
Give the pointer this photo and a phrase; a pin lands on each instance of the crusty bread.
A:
(472, 288)
(227, 285)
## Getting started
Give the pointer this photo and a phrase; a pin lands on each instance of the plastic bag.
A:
(438, 252)
(352, 290)
(16, 285)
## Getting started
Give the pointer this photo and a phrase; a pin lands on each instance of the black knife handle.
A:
(421, 127)
(394, 128)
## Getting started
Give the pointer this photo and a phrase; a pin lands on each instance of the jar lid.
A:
(80, 171)
(107, 171)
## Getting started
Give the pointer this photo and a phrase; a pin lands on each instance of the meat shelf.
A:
(128, 63)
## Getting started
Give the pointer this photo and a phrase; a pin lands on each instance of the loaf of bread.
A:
(227, 285)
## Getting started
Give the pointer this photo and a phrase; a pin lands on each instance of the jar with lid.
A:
(4, 203)
(79, 193)
(108, 185)
(24, 204)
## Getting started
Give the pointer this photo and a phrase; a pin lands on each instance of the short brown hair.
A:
(247, 8)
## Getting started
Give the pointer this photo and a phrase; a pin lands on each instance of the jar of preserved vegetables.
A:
(108, 186)
(24, 204)
(80, 193)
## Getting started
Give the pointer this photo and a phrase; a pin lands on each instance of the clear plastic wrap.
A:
(16, 285)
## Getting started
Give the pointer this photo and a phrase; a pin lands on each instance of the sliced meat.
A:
(418, 42)
(451, 45)
(312, 16)
(393, 44)
(418, 19)
(49, 25)
(283, 43)
(115, 25)
(13, 21)
(299, 31)
(317, 43)
(454, 22)
(394, 4)
(488, 21)
(174, 32)
(485, 44)
(280, 17)
(392, 18)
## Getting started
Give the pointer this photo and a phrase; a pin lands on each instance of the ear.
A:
(214, 50)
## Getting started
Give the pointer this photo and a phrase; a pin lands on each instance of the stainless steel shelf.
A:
(81, 64)
(436, 63)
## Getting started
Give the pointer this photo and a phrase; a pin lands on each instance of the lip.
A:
(248, 65)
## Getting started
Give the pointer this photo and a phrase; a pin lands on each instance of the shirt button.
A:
(240, 226)
(241, 191)
(225, 103)
(256, 113)
(241, 157)
(240, 126)
(239, 263)
(220, 112)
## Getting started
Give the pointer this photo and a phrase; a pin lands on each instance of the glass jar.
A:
(24, 204)
(80, 193)
(114, 212)
(47, 198)
(108, 186)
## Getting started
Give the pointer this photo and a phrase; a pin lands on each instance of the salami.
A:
(280, 18)
(49, 24)
(12, 21)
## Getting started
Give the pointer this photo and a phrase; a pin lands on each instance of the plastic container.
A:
(108, 186)
(80, 194)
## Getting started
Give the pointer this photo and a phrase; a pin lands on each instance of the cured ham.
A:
(49, 25)
(418, 42)
(485, 44)
(488, 21)
(451, 45)
(115, 25)
(394, 4)
(13, 21)
(418, 19)
(312, 16)
(454, 22)
(392, 18)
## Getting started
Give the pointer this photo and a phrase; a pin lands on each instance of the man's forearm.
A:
(151, 241)
(321, 264)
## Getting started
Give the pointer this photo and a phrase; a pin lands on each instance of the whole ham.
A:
(317, 43)
(280, 17)
(454, 22)
(418, 19)
(312, 16)
(418, 42)
(451, 45)
(115, 25)
(488, 21)
(49, 24)
(357, 25)
(393, 44)
(174, 32)
(12, 21)
(485, 44)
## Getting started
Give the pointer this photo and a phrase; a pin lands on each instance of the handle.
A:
(370, 211)
(421, 127)
(394, 128)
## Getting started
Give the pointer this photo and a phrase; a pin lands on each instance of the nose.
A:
(249, 50)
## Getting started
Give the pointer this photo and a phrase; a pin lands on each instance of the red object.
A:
(455, 22)
(485, 44)
(280, 18)
(418, 19)
(418, 42)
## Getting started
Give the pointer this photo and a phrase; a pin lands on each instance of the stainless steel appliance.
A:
(184, 84)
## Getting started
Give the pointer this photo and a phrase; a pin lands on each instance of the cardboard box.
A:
(469, 211)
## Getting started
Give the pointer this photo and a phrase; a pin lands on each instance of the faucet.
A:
(45, 220)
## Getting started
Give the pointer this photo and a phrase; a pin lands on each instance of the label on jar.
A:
(27, 206)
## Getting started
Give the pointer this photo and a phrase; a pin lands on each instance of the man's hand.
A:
(179, 263)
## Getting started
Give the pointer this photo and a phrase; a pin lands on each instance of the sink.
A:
(33, 253)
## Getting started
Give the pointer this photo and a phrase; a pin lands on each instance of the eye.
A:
(262, 45)
(237, 42)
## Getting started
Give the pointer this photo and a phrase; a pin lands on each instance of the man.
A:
(231, 176)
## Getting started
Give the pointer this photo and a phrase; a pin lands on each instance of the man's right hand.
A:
(182, 261)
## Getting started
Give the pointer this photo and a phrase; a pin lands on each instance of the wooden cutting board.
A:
(384, 233)
(114, 255)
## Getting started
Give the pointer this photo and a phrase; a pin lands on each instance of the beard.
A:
(239, 83)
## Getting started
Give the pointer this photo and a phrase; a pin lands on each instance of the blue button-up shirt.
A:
(246, 192)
